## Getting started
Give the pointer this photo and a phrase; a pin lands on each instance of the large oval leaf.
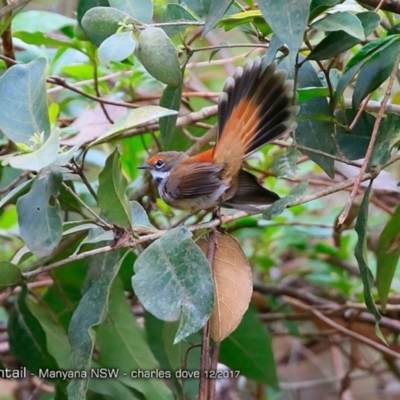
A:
(233, 285)
(158, 55)
(173, 280)
(23, 94)
(99, 23)
(39, 214)
(113, 200)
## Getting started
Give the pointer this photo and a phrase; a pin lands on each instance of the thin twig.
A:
(56, 80)
(378, 7)
(359, 112)
(100, 221)
(79, 170)
(89, 82)
(76, 257)
(361, 338)
(15, 182)
(375, 131)
(97, 90)
(229, 46)
(13, 6)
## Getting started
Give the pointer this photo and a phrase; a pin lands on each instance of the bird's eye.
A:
(160, 164)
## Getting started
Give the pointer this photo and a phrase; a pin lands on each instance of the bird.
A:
(254, 108)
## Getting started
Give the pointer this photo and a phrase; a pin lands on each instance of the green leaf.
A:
(319, 6)
(131, 119)
(139, 10)
(41, 39)
(312, 131)
(370, 50)
(279, 206)
(337, 42)
(158, 55)
(113, 200)
(117, 47)
(288, 19)
(274, 45)
(173, 280)
(39, 214)
(200, 7)
(110, 388)
(354, 144)
(286, 164)
(308, 93)
(171, 99)
(341, 21)
(216, 12)
(374, 72)
(23, 93)
(56, 337)
(128, 350)
(355, 64)
(175, 12)
(27, 338)
(41, 158)
(12, 196)
(99, 23)
(388, 138)
(85, 5)
(248, 349)
(40, 21)
(167, 354)
(387, 256)
(10, 274)
(360, 253)
(254, 17)
(91, 311)
(139, 216)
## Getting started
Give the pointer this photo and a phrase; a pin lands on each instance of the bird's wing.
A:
(198, 179)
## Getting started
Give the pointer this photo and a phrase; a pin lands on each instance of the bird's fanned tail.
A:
(255, 107)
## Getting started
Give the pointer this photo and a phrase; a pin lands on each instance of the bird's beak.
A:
(144, 166)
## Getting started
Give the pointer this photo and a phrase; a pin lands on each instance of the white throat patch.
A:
(159, 175)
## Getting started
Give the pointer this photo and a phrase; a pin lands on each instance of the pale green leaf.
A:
(91, 311)
(23, 101)
(39, 214)
(173, 280)
(113, 200)
(132, 119)
(341, 21)
(117, 47)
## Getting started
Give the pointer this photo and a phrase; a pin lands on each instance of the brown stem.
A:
(7, 9)
(214, 366)
(204, 384)
(204, 362)
(97, 90)
(6, 36)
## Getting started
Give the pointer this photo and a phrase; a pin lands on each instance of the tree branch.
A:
(387, 5)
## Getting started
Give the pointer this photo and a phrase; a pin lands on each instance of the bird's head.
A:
(161, 164)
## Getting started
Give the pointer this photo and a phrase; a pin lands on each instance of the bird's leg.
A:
(217, 214)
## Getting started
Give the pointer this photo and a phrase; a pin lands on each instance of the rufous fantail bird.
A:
(255, 107)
